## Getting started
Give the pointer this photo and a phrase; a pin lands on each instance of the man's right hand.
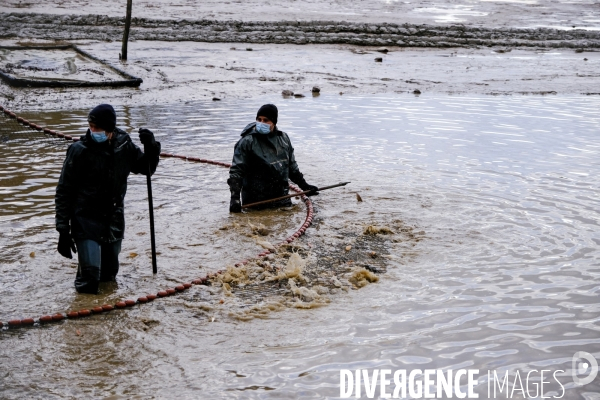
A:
(66, 244)
(147, 137)
(235, 206)
(235, 187)
(314, 192)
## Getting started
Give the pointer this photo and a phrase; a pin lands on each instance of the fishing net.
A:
(9, 127)
(305, 274)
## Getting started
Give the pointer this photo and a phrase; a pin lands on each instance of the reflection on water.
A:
(506, 190)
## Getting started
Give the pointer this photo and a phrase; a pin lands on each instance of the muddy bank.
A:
(214, 57)
(101, 27)
(179, 72)
(560, 14)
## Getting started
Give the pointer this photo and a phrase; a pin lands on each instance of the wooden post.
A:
(126, 32)
(151, 208)
(288, 196)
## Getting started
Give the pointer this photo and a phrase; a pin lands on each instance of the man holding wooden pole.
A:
(91, 192)
(263, 161)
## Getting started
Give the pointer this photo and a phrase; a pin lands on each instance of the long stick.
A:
(294, 195)
(126, 31)
(151, 208)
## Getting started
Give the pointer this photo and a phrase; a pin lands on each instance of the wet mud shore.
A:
(101, 27)
(185, 53)
(561, 14)
(179, 72)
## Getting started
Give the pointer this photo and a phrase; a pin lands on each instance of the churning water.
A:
(504, 277)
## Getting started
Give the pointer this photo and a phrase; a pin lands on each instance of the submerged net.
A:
(10, 128)
(305, 274)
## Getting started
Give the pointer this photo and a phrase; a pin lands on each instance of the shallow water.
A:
(506, 278)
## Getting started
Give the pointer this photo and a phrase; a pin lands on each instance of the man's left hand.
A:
(147, 137)
(66, 244)
(314, 190)
(235, 206)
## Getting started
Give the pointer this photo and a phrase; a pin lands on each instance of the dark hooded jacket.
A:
(93, 182)
(264, 163)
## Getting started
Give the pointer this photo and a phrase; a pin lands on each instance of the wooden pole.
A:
(126, 32)
(293, 195)
(151, 209)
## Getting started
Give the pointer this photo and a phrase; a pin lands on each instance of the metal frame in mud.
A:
(27, 82)
(44, 319)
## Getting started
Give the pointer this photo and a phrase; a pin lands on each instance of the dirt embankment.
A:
(242, 59)
(98, 27)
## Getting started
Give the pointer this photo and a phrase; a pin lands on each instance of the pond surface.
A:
(505, 278)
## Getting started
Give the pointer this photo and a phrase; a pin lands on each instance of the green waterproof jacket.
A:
(263, 164)
(93, 182)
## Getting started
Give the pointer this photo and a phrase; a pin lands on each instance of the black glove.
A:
(310, 187)
(66, 244)
(147, 137)
(235, 205)
(235, 187)
(305, 186)
(298, 178)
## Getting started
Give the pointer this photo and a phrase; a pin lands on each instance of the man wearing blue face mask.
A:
(263, 161)
(90, 195)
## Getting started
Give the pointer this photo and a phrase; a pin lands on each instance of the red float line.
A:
(162, 293)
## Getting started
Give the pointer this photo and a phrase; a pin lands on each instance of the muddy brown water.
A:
(500, 271)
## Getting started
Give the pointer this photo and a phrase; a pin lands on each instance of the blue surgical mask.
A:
(99, 137)
(263, 128)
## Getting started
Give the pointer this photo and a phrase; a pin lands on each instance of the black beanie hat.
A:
(269, 111)
(104, 116)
